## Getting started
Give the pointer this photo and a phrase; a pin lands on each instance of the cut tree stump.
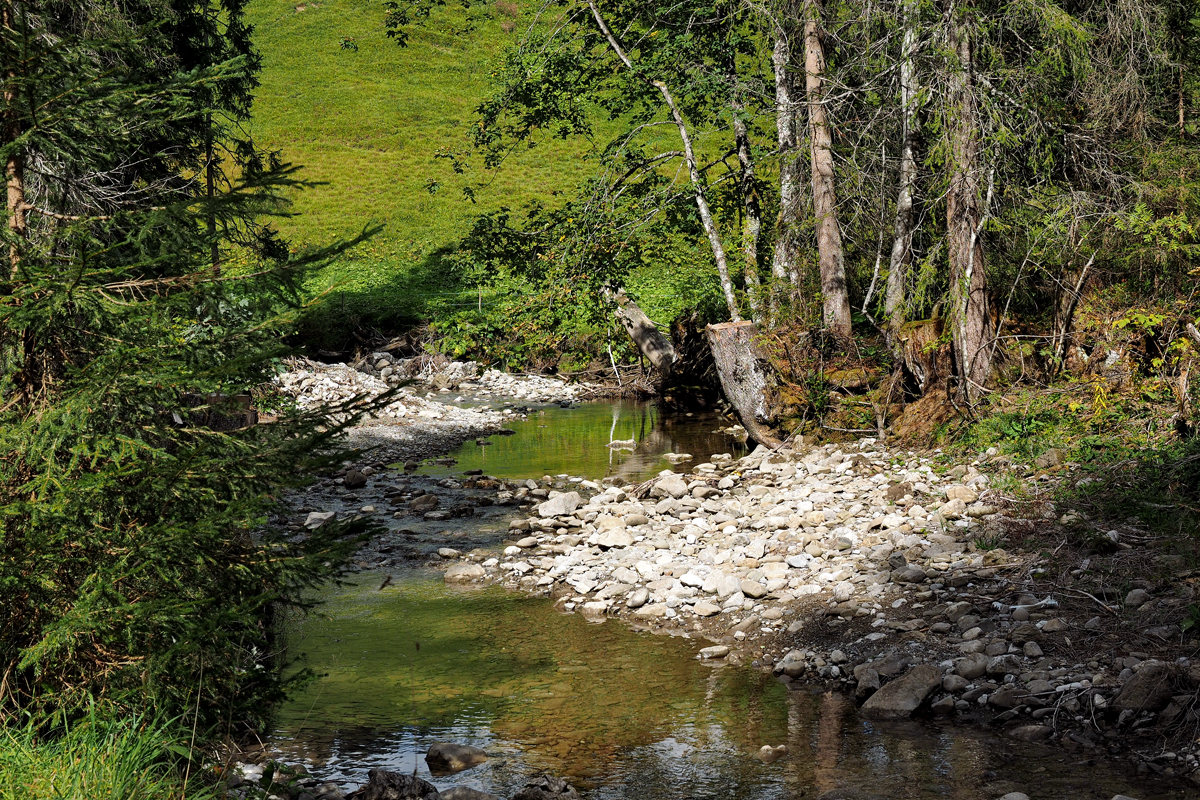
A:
(744, 371)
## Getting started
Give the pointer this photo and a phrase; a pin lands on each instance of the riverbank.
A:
(916, 587)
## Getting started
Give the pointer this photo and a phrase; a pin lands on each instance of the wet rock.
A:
(1030, 733)
(446, 758)
(1148, 690)
(464, 572)
(465, 793)
(544, 787)
(426, 502)
(943, 706)
(354, 480)
(384, 785)
(716, 651)
(904, 695)
(769, 755)
(868, 682)
(560, 505)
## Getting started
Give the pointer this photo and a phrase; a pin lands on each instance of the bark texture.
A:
(901, 257)
(971, 325)
(14, 168)
(751, 211)
(786, 260)
(645, 334)
(744, 373)
(829, 235)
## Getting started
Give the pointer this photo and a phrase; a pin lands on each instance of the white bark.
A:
(706, 217)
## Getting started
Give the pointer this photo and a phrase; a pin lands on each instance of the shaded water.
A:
(575, 441)
(622, 714)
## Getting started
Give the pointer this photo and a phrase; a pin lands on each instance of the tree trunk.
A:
(829, 234)
(971, 326)
(14, 167)
(785, 262)
(751, 212)
(901, 258)
(743, 371)
(645, 334)
(706, 217)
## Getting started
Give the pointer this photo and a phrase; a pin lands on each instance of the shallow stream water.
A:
(620, 713)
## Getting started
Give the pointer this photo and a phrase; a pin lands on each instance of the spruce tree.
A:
(140, 297)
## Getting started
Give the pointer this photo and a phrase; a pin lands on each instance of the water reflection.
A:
(621, 714)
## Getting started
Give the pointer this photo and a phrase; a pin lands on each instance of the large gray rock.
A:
(544, 787)
(446, 758)
(615, 537)
(903, 696)
(671, 485)
(316, 519)
(465, 572)
(753, 589)
(384, 785)
(1148, 690)
(560, 505)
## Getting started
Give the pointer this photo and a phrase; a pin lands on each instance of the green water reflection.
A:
(622, 714)
(574, 441)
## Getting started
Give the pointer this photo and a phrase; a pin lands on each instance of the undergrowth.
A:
(98, 757)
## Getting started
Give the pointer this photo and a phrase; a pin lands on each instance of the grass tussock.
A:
(97, 757)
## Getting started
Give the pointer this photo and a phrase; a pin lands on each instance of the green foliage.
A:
(101, 756)
(136, 563)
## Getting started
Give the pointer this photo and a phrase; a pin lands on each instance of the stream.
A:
(618, 712)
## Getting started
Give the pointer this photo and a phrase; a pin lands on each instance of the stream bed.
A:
(618, 712)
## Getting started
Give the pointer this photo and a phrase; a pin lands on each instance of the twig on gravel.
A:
(1099, 602)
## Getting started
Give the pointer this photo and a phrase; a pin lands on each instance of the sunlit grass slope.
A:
(367, 124)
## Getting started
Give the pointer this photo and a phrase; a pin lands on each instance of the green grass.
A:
(367, 124)
(96, 758)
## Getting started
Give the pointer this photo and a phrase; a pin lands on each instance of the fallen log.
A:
(745, 375)
(645, 334)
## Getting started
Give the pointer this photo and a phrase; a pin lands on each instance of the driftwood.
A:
(645, 334)
(744, 372)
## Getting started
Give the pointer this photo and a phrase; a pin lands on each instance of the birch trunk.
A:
(786, 260)
(901, 257)
(706, 217)
(751, 212)
(971, 327)
(829, 235)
